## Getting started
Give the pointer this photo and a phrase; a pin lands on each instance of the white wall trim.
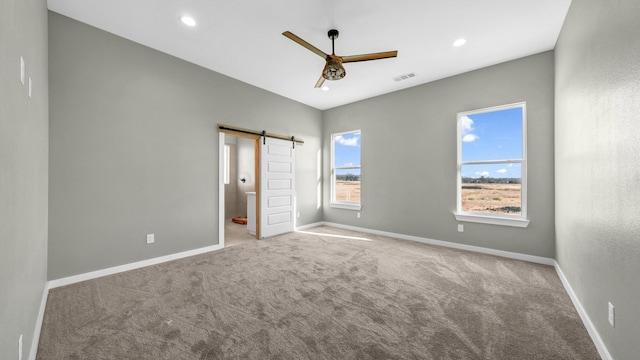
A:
(309, 226)
(136, 265)
(595, 336)
(221, 208)
(38, 328)
(478, 249)
(492, 220)
(346, 206)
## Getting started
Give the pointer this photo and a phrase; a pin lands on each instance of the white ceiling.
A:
(243, 38)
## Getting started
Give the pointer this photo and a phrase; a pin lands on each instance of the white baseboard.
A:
(309, 226)
(100, 273)
(478, 249)
(118, 269)
(36, 332)
(595, 336)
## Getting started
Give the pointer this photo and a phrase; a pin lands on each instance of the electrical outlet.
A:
(20, 348)
(612, 315)
(150, 239)
(460, 228)
(358, 215)
(298, 215)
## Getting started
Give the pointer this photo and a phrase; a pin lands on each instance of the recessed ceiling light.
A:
(325, 88)
(459, 42)
(188, 20)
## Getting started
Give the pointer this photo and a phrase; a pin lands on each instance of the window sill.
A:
(346, 206)
(492, 220)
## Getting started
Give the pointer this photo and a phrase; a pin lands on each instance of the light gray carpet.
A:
(307, 296)
(236, 234)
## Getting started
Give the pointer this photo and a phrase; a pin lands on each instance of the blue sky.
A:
(495, 135)
(347, 152)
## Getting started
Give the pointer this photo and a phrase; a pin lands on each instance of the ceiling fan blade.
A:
(314, 49)
(367, 57)
(320, 82)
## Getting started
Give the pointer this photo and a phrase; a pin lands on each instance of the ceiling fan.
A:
(333, 69)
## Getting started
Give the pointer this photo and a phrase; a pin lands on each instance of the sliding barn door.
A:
(277, 186)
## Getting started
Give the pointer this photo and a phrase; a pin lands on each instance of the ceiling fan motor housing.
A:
(333, 69)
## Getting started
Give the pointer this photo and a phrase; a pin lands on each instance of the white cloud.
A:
(482, 173)
(467, 123)
(501, 171)
(470, 138)
(467, 128)
(346, 142)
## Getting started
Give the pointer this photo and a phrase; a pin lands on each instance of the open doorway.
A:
(272, 179)
(239, 183)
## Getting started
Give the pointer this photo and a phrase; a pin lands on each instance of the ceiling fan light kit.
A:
(333, 69)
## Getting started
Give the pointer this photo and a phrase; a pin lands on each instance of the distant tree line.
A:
(348, 177)
(490, 180)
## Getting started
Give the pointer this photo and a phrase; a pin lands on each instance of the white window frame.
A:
(505, 220)
(226, 165)
(342, 204)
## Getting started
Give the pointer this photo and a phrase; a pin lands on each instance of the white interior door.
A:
(277, 186)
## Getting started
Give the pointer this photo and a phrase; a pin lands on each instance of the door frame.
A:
(221, 199)
(221, 217)
(247, 134)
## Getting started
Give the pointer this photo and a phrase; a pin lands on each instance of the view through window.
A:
(345, 169)
(492, 161)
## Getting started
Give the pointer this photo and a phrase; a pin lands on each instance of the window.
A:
(345, 170)
(492, 166)
(226, 164)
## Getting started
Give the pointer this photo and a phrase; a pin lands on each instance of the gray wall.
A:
(24, 147)
(246, 167)
(134, 151)
(247, 160)
(241, 165)
(231, 189)
(409, 156)
(134, 148)
(598, 165)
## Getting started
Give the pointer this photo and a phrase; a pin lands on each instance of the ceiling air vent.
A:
(404, 77)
